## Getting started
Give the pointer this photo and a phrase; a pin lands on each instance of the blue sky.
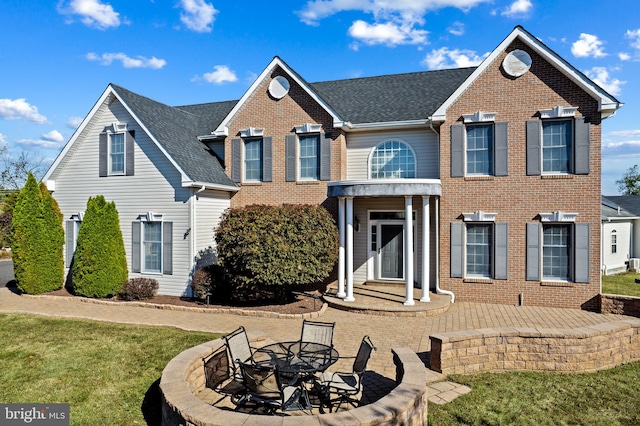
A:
(57, 57)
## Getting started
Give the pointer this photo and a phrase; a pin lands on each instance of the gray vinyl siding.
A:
(156, 187)
(209, 208)
(423, 142)
(360, 239)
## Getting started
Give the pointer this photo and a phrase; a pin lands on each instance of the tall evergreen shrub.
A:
(37, 239)
(100, 266)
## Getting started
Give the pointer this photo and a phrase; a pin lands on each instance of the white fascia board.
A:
(359, 127)
(605, 102)
(103, 98)
(223, 129)
(208, 185)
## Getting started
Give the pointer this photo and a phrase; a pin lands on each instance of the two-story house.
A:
(482, 183)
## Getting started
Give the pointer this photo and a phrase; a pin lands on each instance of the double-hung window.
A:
(116, 154)
(478, 247)
(116, 151)
(479, 146)
(614, 241)
(480, 149)
(309, 156)
(253, 170)
(556, 252)
(557, 146)
(152, 244)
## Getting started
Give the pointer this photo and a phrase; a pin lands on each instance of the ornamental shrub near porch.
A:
(99, 265)
(37, 239)
(277, 246)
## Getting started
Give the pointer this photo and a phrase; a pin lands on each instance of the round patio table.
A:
(302, 358)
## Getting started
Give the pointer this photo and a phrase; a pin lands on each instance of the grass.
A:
(621, 284)
(607, 397)
(108, 373)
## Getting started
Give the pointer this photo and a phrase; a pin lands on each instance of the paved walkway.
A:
(385, 331)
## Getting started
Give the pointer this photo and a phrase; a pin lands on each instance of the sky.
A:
(57, 57)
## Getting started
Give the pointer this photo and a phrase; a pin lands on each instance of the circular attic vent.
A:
(279, 87)
(516, 63)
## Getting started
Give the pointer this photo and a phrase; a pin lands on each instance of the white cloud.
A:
(388, 33)
(127, 62)
(197, 15)
(39, 143)
(221, 74)
(20, 109)
(623, 56)
(457, 28)
(456, 58)
(634, 36)
(517, 9)
(624, 133)
(600, 75)
(3, 141)
(53, 136)
(92, 13)
(74, 122)
(588, 45)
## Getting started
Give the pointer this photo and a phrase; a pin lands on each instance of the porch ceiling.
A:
(384, 188)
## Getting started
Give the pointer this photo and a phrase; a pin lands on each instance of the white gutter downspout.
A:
(438, 289)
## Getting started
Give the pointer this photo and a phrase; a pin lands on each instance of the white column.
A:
(341, 265)
(425, 249)
(408, 249)
(349, 251)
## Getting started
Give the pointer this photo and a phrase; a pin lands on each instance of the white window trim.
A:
(465, 273)
(151, 217)
(308, 128)
(614, 233)
(558, 111)
(571, 251)
(479, 216)
(558, 216)
(251, 132)
(117, 128)
(552, 117)
(298, 157)
(493, 141)
(415, 159)
(243, 157)
(480, 117)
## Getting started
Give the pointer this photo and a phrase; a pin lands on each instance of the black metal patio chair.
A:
(239, 349)
(218, 377)
(317, 332)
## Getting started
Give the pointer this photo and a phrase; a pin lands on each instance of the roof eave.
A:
(360, 127)
(209, 185)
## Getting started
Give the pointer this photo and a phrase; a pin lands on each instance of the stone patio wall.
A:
(183, 378)
(561, 350)
(620, 305)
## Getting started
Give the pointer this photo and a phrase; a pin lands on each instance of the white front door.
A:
(387, 249)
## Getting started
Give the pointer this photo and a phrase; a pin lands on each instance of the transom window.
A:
(393, 160)
(480, 149)
(253, 171)
(478, 246)
(556, 252)
(116, 153)
(309, 150)
(557, 141)
(152, 246)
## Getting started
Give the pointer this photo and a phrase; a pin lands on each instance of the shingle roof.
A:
(386, 98)
(629, 205)
(177, 130)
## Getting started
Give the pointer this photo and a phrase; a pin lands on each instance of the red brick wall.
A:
(518, 198)
(278, 118)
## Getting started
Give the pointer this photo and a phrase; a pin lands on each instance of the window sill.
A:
(556, 176)
(478, 280)
(307, 182)
(479, 177)
(556, 284)
(250, 183)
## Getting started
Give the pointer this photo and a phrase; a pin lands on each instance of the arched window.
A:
(392, 160)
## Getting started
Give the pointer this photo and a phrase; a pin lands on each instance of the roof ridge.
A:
(146, 98)
(394, 75)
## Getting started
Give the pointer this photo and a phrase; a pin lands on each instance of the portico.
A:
(386, 233)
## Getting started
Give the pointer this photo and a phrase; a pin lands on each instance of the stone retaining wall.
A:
(582, 349)
(183, 378)
(620, 305)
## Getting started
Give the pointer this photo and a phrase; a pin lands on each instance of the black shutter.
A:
(457, 150)
(325, 157)
(267, 174)
(457, 240)
(501, 251)
(70, 240)
(103, 152)
(534, 149)
(129, 138)
(581, 253)
(501, 149)
(236, 160)
(135, 246)
(167, 248)
(582, 147)
(290, 153)
(533, 252)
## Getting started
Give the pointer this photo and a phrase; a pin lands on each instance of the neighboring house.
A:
(481, 182)
(620, 234)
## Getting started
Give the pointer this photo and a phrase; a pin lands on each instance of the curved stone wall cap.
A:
(384, 188)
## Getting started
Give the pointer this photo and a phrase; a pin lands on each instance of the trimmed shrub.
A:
(211, 280)
(100, 267)
(139, 289)
(37, 239)
(277, 247)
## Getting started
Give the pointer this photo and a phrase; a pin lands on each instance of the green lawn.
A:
(607, 397)
(621, 284)
(108, 373)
